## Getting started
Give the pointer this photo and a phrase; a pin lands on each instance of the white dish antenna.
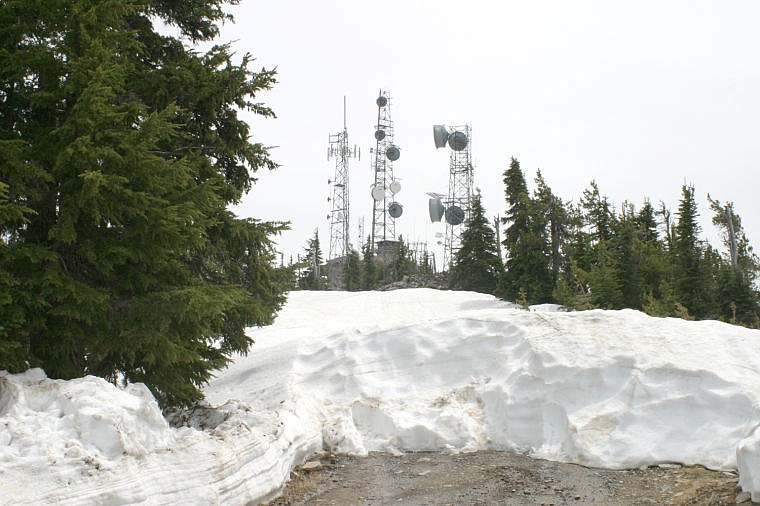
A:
(395, 187)
(378, 192)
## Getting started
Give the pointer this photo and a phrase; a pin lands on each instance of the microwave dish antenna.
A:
(378, 193)
(456, 205)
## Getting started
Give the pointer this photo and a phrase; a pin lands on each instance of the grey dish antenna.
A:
(456, 140)
(395, 210)
(435, 209)
(393, 153)
(382, 101)
(440, 136)
(454, 215)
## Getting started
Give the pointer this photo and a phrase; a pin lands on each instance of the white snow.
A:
(397, 371)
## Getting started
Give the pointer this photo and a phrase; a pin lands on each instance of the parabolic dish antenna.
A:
(458, 141)
(381, 101)
(395, 209)
(454, 215)
(379, 134)
(395, 187)
(435, 209)
(378, 192)
(440, 136)
(393, 153)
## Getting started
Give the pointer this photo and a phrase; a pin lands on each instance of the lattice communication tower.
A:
(339, 150)
(385, 208)
(456, 207)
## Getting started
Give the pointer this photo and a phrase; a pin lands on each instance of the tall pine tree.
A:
(314, 275)
(120, 151)
(526, 242)
(476, 265)
(688, 277)
(737, 299)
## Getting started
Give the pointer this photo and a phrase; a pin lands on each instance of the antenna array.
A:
(385, 208)
(456, 207)
(339, 214)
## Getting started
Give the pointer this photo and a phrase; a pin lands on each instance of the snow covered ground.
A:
(395, 371)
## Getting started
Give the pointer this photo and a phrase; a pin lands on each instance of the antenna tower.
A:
(461, 172)
(339, 215)
(385, 208)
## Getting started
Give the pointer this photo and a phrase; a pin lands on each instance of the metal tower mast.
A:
(460, 190)
(339, 215)
(385, 153)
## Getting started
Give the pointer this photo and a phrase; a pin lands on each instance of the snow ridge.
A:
(397, 371)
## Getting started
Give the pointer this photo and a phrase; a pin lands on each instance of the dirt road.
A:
(484, 478)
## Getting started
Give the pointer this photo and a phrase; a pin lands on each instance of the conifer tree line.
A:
(365, 271)
(120, 151)
(592, 254)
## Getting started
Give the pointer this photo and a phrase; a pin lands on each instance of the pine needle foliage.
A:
(476, 265)
(120, 151)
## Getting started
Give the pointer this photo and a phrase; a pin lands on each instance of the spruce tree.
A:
(654, 266)
(120, 151)
(369, 267)
(626, 258)
(352, 272)
(599, 215)
(401, 265)
(313, 276)
(737, 299)
(526, 241)
(476, 264)
(688, 278)
(557, 221)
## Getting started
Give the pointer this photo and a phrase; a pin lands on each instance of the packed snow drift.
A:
(396, 371)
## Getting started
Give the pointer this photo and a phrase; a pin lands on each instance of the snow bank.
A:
(395, 371)
(85, 441)
(748, 463)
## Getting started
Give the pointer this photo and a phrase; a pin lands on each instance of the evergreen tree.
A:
(688, 278)
(314, 274)
(654, 267)
(605, 291)
(526, 242)
(476, 265)
(646, 223)
(556, 218)
(599, 215)
(401, 264)
(626, 258)
(120, 151)
(352, 271)
(425, 265)
(737, 299)
(369, 268)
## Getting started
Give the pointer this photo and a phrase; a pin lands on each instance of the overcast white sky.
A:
(639, 96)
